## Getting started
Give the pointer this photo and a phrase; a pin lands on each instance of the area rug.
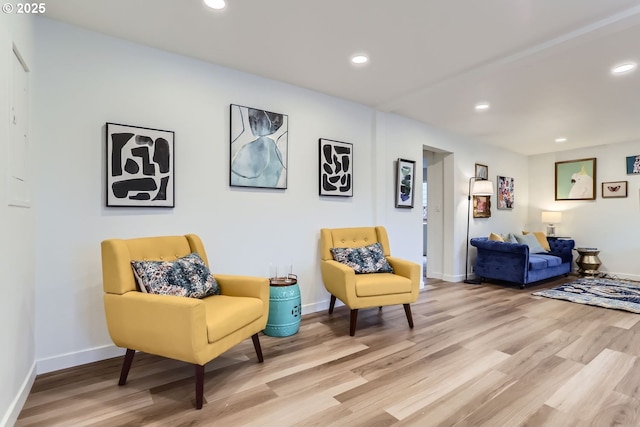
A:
(608, 293)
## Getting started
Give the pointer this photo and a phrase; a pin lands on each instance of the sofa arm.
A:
(562, 248)
(339, 280)
(407, 269)
(165, 325)
(245, 286)
(491, 245)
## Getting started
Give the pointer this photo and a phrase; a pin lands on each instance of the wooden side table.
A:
(588, 261)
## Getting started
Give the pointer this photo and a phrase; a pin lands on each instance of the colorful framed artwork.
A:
(576, 179)
(481, 206)
(614, 189)
(482, 171)
(140, 167)
(336, 168)
(405, 183)
(259, 148)
(633, 165)
(505, 192)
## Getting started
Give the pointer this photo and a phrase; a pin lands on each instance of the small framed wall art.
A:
(505, 192)
(633, 165)
(259, 148)
(576, 179)
(140, 167)
(482, 171)
(405, 183)
(614, 189)
(482, 206)
(336, 168)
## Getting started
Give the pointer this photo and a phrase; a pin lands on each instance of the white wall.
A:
(611, 225)
(89, 79)
(17, 251)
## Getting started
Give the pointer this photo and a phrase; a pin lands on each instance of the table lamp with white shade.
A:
(551, 218)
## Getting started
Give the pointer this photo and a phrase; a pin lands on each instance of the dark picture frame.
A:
(482, 171)
(614, 189)
(259, 148)
(506, 192)
(482, 206)
(140, 165)
(405, 183)
(576, 179)
(335, 168)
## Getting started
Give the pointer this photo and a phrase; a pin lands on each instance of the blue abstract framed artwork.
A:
(336, 168)
(259, 148)
(140, 167)
(405, 183)
(633, 165)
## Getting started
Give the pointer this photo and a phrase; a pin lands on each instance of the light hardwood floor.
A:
(479, 355)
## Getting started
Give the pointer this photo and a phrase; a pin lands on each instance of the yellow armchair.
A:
(187, 329)
(358, 291)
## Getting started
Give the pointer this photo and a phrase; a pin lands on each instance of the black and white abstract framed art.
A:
(336, 168)
(140, 167)
(259, 148)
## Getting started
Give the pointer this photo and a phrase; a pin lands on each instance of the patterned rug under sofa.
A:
(608, 293)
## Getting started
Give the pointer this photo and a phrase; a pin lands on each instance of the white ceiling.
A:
(542, 64)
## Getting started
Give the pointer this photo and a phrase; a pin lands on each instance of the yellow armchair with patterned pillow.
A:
(148, 312)
(358, 269)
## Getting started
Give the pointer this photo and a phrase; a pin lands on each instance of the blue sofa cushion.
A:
(542, 261)
(552, 260)
(537, 262)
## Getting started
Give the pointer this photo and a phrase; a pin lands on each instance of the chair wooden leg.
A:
(354, 320)
(199, 385)
(332, 304)
(407, 311)
(256, 346)
(126, 365)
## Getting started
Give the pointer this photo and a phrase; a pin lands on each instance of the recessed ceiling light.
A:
(482, 106)
(624, 68)
(215, 4)
(359, 59)
(561, 140)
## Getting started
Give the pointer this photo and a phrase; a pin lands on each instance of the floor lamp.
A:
(477, 187)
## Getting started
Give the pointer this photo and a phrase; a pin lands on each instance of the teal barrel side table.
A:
(285, 307)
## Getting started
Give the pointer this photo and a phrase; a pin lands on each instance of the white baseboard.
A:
(14, 409)
(319, 306)
(621, 276)
(68, 360)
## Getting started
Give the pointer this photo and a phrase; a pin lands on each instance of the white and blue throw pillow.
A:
(187, 277)
(364, 259)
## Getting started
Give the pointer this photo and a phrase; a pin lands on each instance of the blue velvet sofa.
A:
(512, 262)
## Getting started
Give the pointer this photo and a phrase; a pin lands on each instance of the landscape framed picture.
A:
(336, 168)
(259, 148)
(405, 183)
(140, 167)
(614, 189)
(576, 179)
(505, 192)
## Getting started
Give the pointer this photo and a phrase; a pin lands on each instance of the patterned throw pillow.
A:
(364, 259)
(187, 277)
